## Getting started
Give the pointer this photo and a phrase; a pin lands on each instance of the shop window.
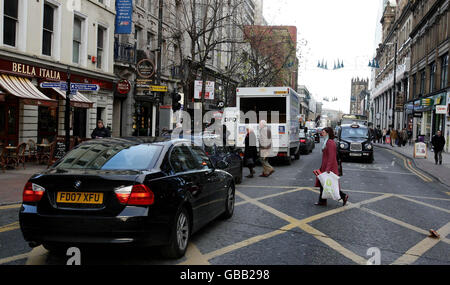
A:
(47, 36)
(10, 21)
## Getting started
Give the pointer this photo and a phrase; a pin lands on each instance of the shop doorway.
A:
(47, 123)
(144, 117)
(9, 123)
(80, 117)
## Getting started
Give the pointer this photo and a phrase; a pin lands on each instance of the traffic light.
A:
(176, 98)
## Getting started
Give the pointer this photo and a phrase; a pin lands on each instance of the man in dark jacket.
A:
(100, 131)
(438, 142)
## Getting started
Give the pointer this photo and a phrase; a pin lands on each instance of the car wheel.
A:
(239, 178)
(297, 155)
(229, 203)
(180, 236)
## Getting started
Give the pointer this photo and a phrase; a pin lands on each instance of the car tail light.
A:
(32, 192)
(302, 141)
(137, 195)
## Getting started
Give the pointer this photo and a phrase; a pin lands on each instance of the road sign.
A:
(157, 88)
(51, 84)
(84, 87)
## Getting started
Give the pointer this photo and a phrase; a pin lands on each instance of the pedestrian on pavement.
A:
(384, 135)
(100, 131)
(438, 142)
(329, 163)
(394, 137)
(399, 139)
(250, 152)
(265, 148)
(404, 136)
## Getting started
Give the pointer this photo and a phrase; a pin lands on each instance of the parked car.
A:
(354, 141)
(307, 143)
(138, 191)
(229, 154)
(316, 135)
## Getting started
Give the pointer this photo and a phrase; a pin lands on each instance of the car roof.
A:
(350, 125)
(135, 140)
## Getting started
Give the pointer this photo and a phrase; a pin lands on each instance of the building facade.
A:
(429, 82)
(394, 57)
(358, 86)
(39, 42)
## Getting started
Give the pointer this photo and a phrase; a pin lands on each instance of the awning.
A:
(78, 100)
(23, 88)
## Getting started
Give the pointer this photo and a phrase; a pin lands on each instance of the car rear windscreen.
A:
(111, 157)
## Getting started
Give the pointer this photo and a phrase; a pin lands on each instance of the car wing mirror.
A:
(222, 164)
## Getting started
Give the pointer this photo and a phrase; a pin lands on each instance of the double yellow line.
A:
(408, 165)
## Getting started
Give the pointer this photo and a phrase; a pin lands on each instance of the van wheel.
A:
(297, 155)
(179, 241)
(289, 160)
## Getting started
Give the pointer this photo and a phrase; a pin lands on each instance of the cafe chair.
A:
(17, 157)
(3, 158)
(51, 156)
(31, 150)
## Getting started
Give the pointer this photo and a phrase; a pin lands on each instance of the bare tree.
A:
(270, 58)
(203, 31)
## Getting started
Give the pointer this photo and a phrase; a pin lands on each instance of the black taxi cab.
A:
(354, 141)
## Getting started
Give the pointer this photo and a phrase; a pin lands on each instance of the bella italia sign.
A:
(29, 70)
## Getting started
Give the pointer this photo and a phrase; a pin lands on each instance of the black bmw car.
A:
(354, 141)
(139, 191)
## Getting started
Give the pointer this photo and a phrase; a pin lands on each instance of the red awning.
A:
(25, 90)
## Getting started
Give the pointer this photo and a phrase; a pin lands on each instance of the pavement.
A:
(428, 165)
(13, 181)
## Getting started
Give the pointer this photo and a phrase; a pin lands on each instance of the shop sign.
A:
(146, 68)
(427, 102)
(123, 87)
(420, 150)
(144, 83)
(157, 88)
(417, 114)
(441, 109)
(209, 92)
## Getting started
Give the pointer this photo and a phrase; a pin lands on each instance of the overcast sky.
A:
(332, 30)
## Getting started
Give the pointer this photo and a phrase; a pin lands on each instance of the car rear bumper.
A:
(138, 230)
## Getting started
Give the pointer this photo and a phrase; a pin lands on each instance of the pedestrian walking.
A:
(100, 131)
(250, 152)
(329, 164)
(394, 137)
(404, 137)
(384, 135)
(265, 148)
(438, 142)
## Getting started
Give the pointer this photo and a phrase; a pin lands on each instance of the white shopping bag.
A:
(330, 184)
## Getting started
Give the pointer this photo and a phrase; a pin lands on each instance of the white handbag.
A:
(330, 184)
